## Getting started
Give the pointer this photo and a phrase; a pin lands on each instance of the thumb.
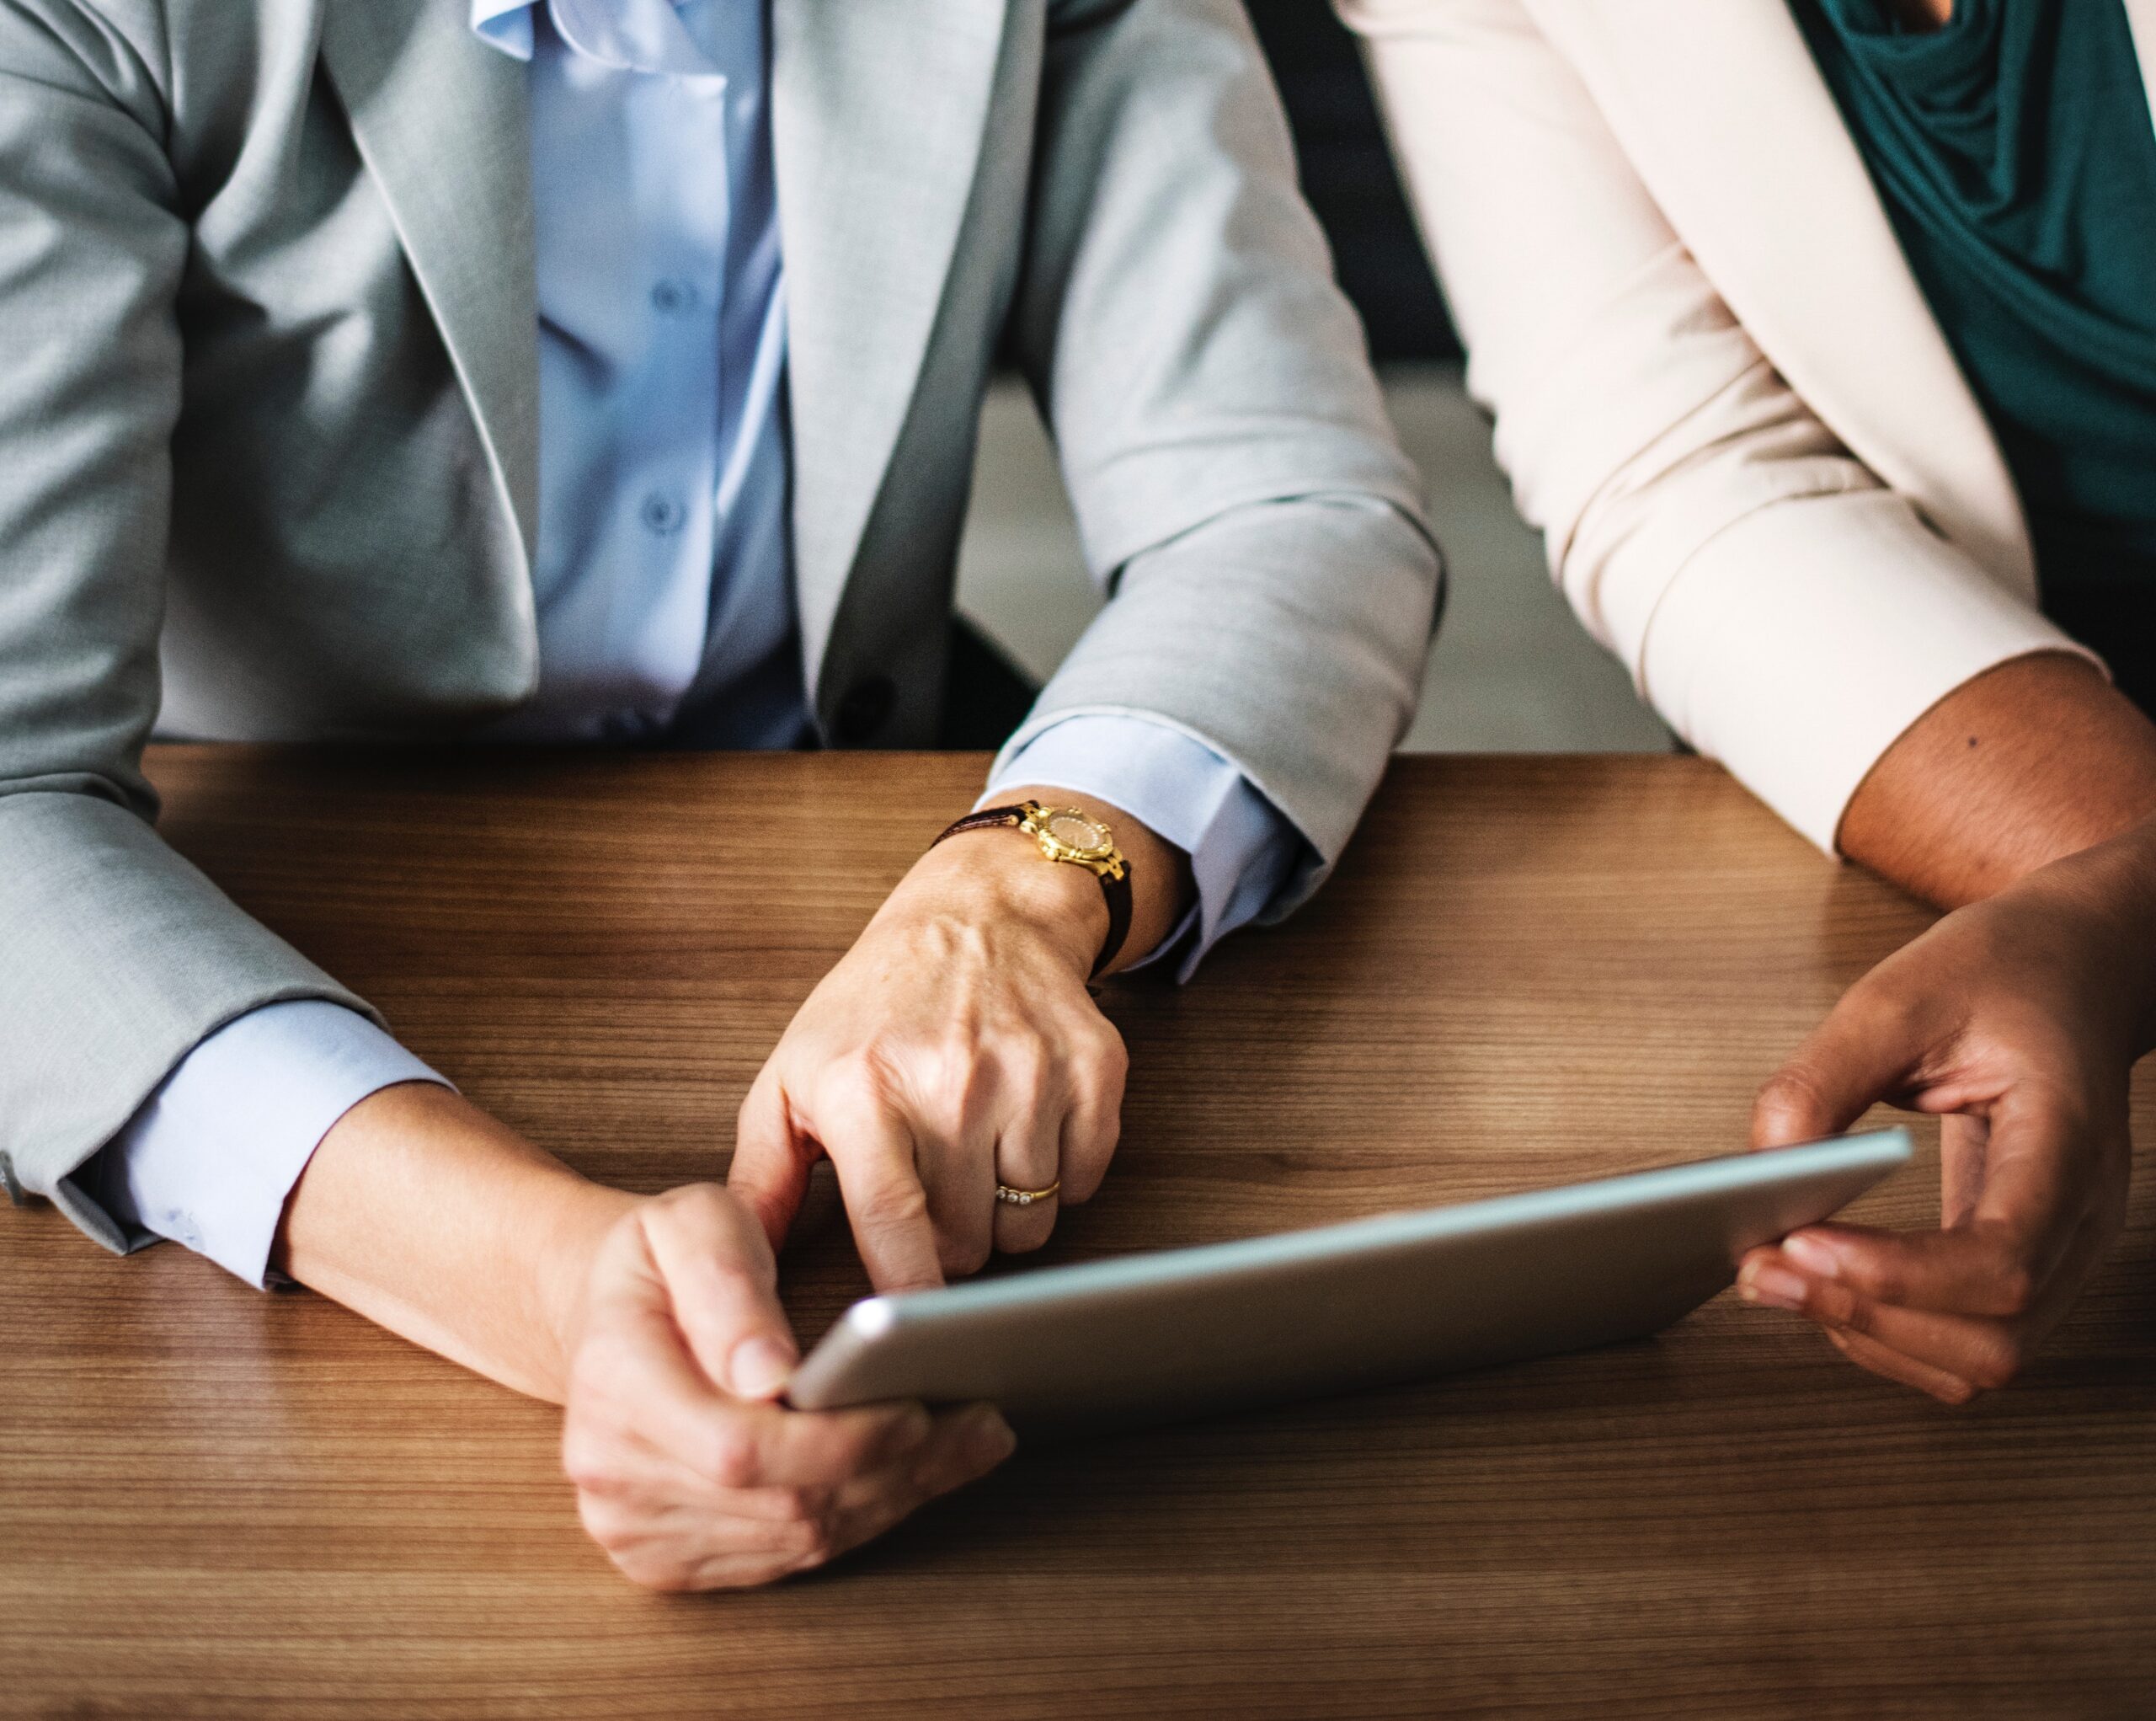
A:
(772, 1160)
(1863, 1053)
(723, 1280)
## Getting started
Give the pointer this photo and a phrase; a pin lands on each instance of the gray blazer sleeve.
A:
(116, 956)
(1236, 482)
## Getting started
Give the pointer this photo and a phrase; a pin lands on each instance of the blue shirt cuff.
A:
(1241, 848)
(211, 1157)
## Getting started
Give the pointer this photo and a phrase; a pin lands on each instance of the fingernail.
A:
(761, 1366)
(1777, 1287)
(990, 1442)
(1814, 1254)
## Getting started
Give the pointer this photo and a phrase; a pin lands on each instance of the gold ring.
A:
(1026, 1198)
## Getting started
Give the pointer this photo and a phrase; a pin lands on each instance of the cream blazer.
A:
(1718, 389)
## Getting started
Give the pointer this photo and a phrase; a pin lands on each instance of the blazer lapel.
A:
(442, 124)
(1725, 115)
(879, 114)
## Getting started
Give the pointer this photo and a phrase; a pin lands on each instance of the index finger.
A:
(1861, 1053)
(871, 1148)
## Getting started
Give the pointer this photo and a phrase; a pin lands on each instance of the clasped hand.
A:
(955, 1047)
(687, 1471)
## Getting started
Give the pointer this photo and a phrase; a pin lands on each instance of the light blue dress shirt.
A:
(663, 581)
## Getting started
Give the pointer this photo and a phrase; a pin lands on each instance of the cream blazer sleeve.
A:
(1786, 612)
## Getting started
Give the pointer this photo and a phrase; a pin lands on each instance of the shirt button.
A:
(661, 515)
(671, 298)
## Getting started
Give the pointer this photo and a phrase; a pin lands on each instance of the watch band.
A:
(1115, 887)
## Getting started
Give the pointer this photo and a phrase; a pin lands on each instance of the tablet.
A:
(1400, 1298)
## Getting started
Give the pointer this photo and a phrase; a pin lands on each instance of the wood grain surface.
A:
(214, 1502)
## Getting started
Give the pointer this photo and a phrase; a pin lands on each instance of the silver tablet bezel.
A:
(1322, 1310)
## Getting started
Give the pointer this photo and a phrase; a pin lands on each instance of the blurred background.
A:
(1513, 672)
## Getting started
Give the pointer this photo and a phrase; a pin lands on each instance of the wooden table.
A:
(215, 1502)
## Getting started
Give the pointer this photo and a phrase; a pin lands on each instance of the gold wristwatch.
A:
(1075, 839)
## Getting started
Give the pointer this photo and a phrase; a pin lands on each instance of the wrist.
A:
(575, 1233)
(429, 1217)
(1000, 875)
(2117, 879)
(1155, 887)
(2136, 861)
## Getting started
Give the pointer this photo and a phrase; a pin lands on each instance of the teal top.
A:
(2014, 153)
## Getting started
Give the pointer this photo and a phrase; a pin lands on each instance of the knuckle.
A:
(1026, 1064)
(732, 1460)
(898, 1203)
(1109, 1058)
(697, 1216)
(947, 1100)
(964, 1256)
(687, 1198)
(606, 1523)
(862, 1080)
(2013, 1288)
(587, 1460)
(807, 1542)
(1793, 1091)
(955, 1086)
(731, 1275)
(1886, 1282)
(601, 1376)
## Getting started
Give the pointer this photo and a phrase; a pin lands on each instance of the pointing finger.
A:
(1861, 1053)
(872, 1150)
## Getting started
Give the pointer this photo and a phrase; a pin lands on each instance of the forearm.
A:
(2035, 760)
(429, 1217)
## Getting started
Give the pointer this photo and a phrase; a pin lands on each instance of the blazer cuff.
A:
(1798, 658)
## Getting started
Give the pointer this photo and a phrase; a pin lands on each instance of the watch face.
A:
(1076, 831)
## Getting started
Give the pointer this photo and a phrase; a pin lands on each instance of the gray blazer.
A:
(268, 421)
